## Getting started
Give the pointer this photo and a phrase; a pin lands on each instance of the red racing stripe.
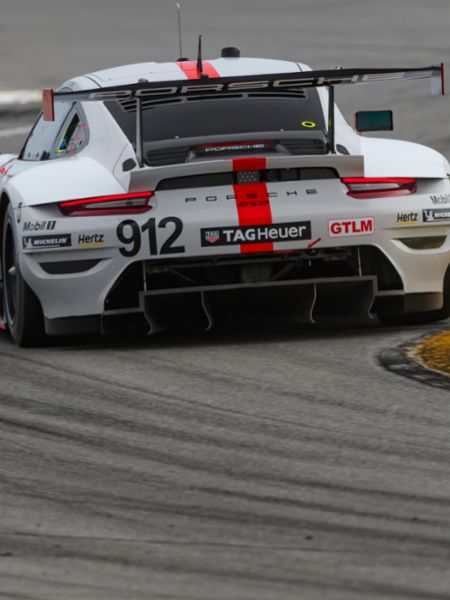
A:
(252, 201)
(189, 68)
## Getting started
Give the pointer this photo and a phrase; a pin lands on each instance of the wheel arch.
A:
(4, 203)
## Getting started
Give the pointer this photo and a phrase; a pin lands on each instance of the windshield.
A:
(194, 117)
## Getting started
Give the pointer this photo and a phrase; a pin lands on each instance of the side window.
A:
(42, 138)
(73, 136)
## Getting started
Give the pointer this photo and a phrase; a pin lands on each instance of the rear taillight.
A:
(117, 204)
(379, 187)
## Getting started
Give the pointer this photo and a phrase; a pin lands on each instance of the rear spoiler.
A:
(148, 178)
(277, 82)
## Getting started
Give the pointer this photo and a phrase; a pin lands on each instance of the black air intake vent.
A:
(179, 151)
(129, 105)
(305, 146)
(168, 156)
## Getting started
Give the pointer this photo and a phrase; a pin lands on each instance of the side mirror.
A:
(374, 120)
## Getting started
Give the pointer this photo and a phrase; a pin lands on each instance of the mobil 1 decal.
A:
(160, 236)
(440, 199)
(39, 226)
(256, 234)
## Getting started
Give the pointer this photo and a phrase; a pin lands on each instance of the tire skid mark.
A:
(256, 520)
(176, 400)
(256, 382)
(164, 444)
(175, 432)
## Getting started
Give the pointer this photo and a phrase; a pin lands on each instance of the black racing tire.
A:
(22, 309)
(421, 318)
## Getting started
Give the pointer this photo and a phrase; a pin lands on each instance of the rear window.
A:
(194, 117)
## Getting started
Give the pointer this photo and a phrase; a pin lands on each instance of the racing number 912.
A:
(130, 234)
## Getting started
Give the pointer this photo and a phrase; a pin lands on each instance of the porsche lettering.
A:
(300, 82)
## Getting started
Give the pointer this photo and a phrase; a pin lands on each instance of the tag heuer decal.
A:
(212, 236)
(255, 234)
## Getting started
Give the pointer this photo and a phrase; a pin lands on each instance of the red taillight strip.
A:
(79, 207)
(409, 180)
(392, 186)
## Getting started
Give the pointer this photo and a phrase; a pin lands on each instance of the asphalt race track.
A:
(240, 464)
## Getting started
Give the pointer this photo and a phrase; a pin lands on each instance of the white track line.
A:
(14, 97)
(5, 133)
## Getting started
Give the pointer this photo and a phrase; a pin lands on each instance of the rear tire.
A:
(23, 312)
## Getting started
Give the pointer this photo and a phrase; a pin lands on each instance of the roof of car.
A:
(169, 71)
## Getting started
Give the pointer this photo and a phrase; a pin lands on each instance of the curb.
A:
(434, 352)
(404, 360)
(14, 97)
(18, 111)
(19, 102)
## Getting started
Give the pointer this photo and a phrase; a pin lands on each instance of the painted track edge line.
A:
(21, 97)
(404, 361)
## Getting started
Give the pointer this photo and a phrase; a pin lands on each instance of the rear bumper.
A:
(106, 293)
(89, 279)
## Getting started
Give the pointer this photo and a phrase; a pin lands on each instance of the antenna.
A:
(199, 58)
(180, 49)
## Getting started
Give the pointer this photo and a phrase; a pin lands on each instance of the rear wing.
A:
(278, 82)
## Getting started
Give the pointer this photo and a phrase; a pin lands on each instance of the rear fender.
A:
(62, 179)
(6, 158)
(395, 158)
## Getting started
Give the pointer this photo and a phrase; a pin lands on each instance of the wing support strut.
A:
(139, 133)
(331, 124)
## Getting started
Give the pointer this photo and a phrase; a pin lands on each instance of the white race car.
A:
(160, 195)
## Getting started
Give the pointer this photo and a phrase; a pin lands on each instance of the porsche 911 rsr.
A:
(157, 195)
